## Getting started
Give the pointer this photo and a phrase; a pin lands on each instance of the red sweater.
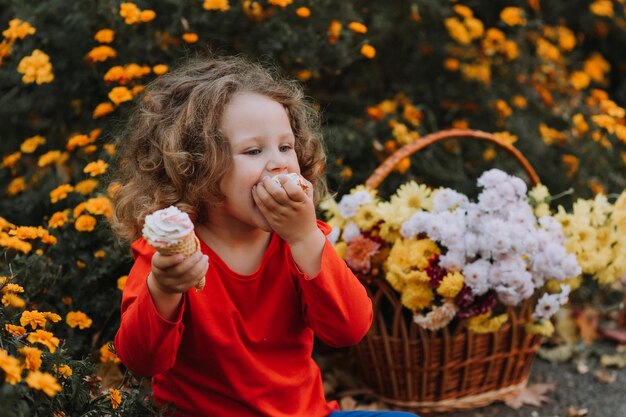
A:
(242, 346)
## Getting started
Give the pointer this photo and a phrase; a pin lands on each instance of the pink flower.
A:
(359, 253)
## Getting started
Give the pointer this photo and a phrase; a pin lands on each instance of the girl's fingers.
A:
(293, 191)
(164, 262)
(275, 191)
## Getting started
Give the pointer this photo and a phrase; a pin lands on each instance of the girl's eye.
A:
(285, 148)
(253, 152)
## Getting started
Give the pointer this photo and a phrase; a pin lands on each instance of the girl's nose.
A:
(277, 162)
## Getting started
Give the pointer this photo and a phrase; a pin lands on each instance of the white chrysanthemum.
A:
(477, 276)
(350, 232)
(546, 307)
(491, 201)
(492, 178)
(348, 205)
(416, 224)
(453, 260)
(446, 199)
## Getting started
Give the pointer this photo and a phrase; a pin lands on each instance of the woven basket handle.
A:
(379, 175)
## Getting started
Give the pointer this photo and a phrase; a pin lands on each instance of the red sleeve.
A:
(145, 342)
(334, 302)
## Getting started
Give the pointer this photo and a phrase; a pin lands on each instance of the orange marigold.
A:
(102, 110)
(303, 12)
(43, 381)
(60, 192)
(96, 168)
(31, 144)
(357, 27)
(119, 95)
(101, 53)
(45, 338)
(78, 319)
(190, 37)
(368, 51)
(18, 29)
(85, 223)
(104, 36)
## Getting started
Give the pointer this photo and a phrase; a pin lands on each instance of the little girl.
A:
(210, 138)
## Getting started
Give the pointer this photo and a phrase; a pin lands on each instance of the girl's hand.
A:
(175, 275)
(288, 209)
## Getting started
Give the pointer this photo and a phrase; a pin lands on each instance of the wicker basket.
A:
(415, 369)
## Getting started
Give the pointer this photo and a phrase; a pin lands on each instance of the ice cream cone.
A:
(189, 245)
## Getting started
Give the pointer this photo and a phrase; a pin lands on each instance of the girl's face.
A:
(262, 144)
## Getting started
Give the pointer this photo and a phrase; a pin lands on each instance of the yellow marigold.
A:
(16, 186)
(12, 287)
(463, 11)
(60, 192)
(451, 285)
(14, 243)
(303, 12)
(96, 168)
(105, 35)
(116, 74)
(567, 38)
(602, 8)
(78, 319)
(102, 110)
(45, 338)
(506, 137)
(25, 232)
(10, 160)
(5, 224)
(77, 141)
(36, 68)
(86, 186)
(53, 317)
(119, 95)
(596, 67)
(160, 69)
(416, 296)
(513, 16)
(484, 323)
(334, 31)
(147, 15)
(33, 318)
(85, 223)
(511, 50)
(11, 367)
(43, 381)
(221, 5)
(520, 102)
(457, 30)
(130, 12)
(110, 148)
(121, 282)
(49, 158)
(64, 371)
(547, 51)
(579, 80)
(475, 27)
(280, 3)
(550, 135)
(31, 144)
(100, 254)
(32, 357)
(190, 37)
(479, 72)
(107, 355)
(99, 205)
(18, 29)
(542, 327)
(5, 49)
(357, 27)
(15, 330)
(115, 397)
(502, 108)
(604, 121)
(137, 90)
(101, 53)
(368, 51)
(13, 300)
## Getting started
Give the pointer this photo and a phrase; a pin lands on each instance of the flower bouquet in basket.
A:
(463, 269)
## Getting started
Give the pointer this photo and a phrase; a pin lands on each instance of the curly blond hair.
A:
(173, 152)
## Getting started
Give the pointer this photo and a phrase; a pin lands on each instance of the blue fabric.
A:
(371, 414)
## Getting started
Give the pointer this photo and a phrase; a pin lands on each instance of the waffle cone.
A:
(189, 245)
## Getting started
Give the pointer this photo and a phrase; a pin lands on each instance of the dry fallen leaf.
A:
(618, 360)
(605, 376)
(532, 394)
(573, 412)
(110, 374)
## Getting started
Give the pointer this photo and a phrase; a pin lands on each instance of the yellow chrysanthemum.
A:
(484, 323)
(417, 296)
(43, 381)
(451, 285)
(541, 327)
